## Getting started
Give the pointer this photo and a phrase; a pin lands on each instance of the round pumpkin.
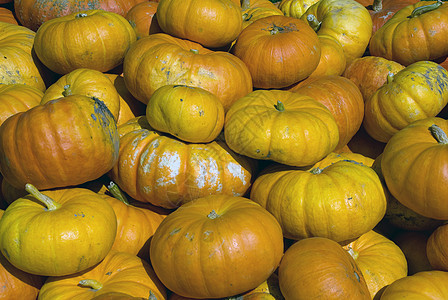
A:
(211, 23)
(413, 165)
(189, 113)
(15, 98)
(416, 92)
(341, 202)
(319, 268)
(269, 124)
(164, 171)
(216, 246)
(64, 142)
(98, 40)
(278, 50)
(160, 59)
(118, 273)
(56, 233)
(87, 82)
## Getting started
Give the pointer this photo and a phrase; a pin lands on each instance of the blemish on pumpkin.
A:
(109, 273)
(189, 237)
(357, 277)
(176, 230)
(93, 117)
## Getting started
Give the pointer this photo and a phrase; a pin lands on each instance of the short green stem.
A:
(424, 9)
(313, 22)
(67, 91)
(316, 171)
(117, 192)
(81, 15)
(276, 29)
(438, 134)
(390, 77)
(353, 253)
(279, 106)
(49, 203)
(92, 283)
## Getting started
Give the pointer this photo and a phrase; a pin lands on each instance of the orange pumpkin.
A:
(7, 16)
(16, 98)
(253, 10)
(142, 18)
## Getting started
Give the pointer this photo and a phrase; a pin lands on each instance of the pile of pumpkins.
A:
(223, 149)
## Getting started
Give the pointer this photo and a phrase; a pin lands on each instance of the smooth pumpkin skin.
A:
(88, 82)
(407, 40)
(256, 128)
(216, 246)
(341, 201)
(369, 73)
(16, 43)
(319, 268)
(142, 18)
(413, 165)
(76, 144)
(161, 59)
(33, 14)
(98, 40)
(16, 98)
(118, 272)
(211, 23)
(417, 92)
(54, 241)
(189, 113)
(436, 248)
(425, 285)
(164, 171)
(347, 21)
(380, 260)
(278, 50)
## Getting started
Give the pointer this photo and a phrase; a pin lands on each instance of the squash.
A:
(295, 8)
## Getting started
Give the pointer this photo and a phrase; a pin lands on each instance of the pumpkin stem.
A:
(316, 171)
(390, 77)
(115, 190)
(212, 215)
(92, 283)
(152, 296)
(424, 9)
(195, 51)
(313, 22)
(279, 106)
(276, 29)
(438, 134)
(81, 15)
(67, 91)
(352, 253)
(245, 4)
(49, 203)
(377, 5)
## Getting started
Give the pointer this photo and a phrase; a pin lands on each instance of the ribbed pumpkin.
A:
(64, 142)
(341, 202)
(161, 59)
(98, 40)
(270, 124)
(278, 50)
(164, 171)
(57, 232)
(118, 272)
(16, 98)
(216, 246)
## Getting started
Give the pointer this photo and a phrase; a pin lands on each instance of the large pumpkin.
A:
(271, 124)
(98, 40)
(58, 232)
(164, 171)
(64, 142)
(161, 59)
(216, 246)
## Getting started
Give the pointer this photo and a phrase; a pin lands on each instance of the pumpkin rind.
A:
(16, 98)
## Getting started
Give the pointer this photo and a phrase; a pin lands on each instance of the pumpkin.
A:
(118, 272)
(98, 40)
(270, 124)
(56, 233)
(164, 171)
(334, 157)
(418, 91)
(253, 10)
(413, 166)
(231, 243)
(426, 285)
(7, 16)
(342, 97)
(346, 20)
(64, 142)
(17, 64)
(278, 50)
(436, 248)
(319, 268)
(413, 244)
(33, 14)
(341, 202)
(369, 73)
(88, 82)
(295, 8)
(16, 98)
(380, 260)
(142, 18)
(211, 23)
(415, 33)
(189, 113)
(161, 59)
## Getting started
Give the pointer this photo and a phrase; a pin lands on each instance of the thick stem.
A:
(390, 77)
(313, 22)
(438, 134)
(316, 171)
(67, 91)
(212, 215)
(276, 29)
(49, 203)
(424, 9)
(92, 283)
(117, 192)
(353, 253)
(279, 106)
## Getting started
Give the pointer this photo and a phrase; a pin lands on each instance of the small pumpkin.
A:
(295, 8)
